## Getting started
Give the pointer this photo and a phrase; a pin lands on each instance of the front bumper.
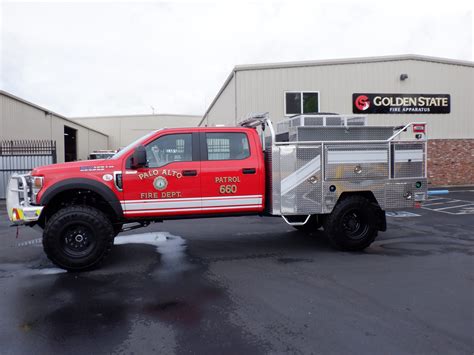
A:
(19, 207)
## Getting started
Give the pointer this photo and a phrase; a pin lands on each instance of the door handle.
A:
(189, 172)
(249, 170)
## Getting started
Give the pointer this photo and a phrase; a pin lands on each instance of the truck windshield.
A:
(132, 145)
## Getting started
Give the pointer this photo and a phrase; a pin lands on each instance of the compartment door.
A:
(301, 182)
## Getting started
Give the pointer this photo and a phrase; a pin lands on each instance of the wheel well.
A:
(367, 194)
(76, 197)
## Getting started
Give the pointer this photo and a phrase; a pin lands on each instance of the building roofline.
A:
(137, 115)
(223, 87)
(341, 61)
(46, 111)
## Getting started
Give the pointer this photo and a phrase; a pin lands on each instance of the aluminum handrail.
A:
(404, 129)
(389, 140)
(350, 142)
(263, 118)
(259, 119)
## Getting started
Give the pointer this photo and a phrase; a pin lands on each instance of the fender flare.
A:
(84, 184)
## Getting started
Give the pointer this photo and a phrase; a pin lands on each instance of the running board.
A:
(296, 223)
(134, 225)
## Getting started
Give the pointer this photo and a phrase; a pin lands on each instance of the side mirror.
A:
(139, 157)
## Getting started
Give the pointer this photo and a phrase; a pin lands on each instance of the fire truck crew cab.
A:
(214, 171)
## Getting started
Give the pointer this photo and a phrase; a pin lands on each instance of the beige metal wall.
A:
(263, 90)
(123, 130)
(16, 118)
(20, 120)
(223, 110)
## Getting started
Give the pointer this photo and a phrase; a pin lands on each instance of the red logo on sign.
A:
(362, 102)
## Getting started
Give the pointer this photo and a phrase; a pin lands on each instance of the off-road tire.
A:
(352, 225)
(313, 224)
(62, 232)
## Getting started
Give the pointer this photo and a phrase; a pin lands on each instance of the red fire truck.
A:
(314, 171)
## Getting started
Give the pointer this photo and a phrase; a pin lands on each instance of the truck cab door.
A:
(171, 182)
(231, 173)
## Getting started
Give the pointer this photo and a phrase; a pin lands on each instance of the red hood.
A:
(76, 166)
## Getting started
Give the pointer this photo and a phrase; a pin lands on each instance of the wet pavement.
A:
(247, 285)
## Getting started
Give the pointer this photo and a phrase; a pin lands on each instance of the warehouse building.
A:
(21, 120)
(31, 136)
(123, 130)
(391, 90)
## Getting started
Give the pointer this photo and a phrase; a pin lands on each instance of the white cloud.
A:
(94, 58)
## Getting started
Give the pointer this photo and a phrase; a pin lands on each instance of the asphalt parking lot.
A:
(249, 285)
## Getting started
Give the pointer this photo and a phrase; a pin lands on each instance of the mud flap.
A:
(382, 220)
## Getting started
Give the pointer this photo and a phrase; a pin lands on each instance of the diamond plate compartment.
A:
(273, 185)
(396, 193)
(408, 160)
(300, 179)
(356, 161)
(390, 194)
(330, 198)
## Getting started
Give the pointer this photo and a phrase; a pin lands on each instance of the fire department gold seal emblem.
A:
(160, 183)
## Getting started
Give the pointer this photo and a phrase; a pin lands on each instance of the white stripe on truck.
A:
(301, 175)
(193, 203)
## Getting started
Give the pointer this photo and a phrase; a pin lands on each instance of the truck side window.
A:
(168, 149)
(227, 146)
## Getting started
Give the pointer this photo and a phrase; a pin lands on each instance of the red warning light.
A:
(419, 128)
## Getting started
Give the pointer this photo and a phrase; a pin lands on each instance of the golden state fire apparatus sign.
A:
(401, 103)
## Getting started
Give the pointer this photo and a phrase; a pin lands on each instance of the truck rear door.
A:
(231, 172)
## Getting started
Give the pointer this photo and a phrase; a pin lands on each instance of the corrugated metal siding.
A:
(19, 120)
(16, 118)
(96, 141)
(223, 111)
(106, 125)
(263, 90)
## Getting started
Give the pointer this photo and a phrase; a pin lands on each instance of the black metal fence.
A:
(20, 156)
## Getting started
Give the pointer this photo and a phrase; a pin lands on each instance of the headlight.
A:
(36, 185)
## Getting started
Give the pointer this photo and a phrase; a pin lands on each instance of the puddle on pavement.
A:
(45, 271)
(159, 285)
(172, 250)
(294, 260)
(418, 246)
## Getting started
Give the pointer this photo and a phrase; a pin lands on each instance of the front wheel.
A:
(352, 225)
(77, 238)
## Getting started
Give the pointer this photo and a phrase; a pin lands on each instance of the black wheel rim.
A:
(78, 241)
(355, 224)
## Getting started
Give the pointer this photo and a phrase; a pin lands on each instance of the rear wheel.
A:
(352, 225)
(77, 238)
